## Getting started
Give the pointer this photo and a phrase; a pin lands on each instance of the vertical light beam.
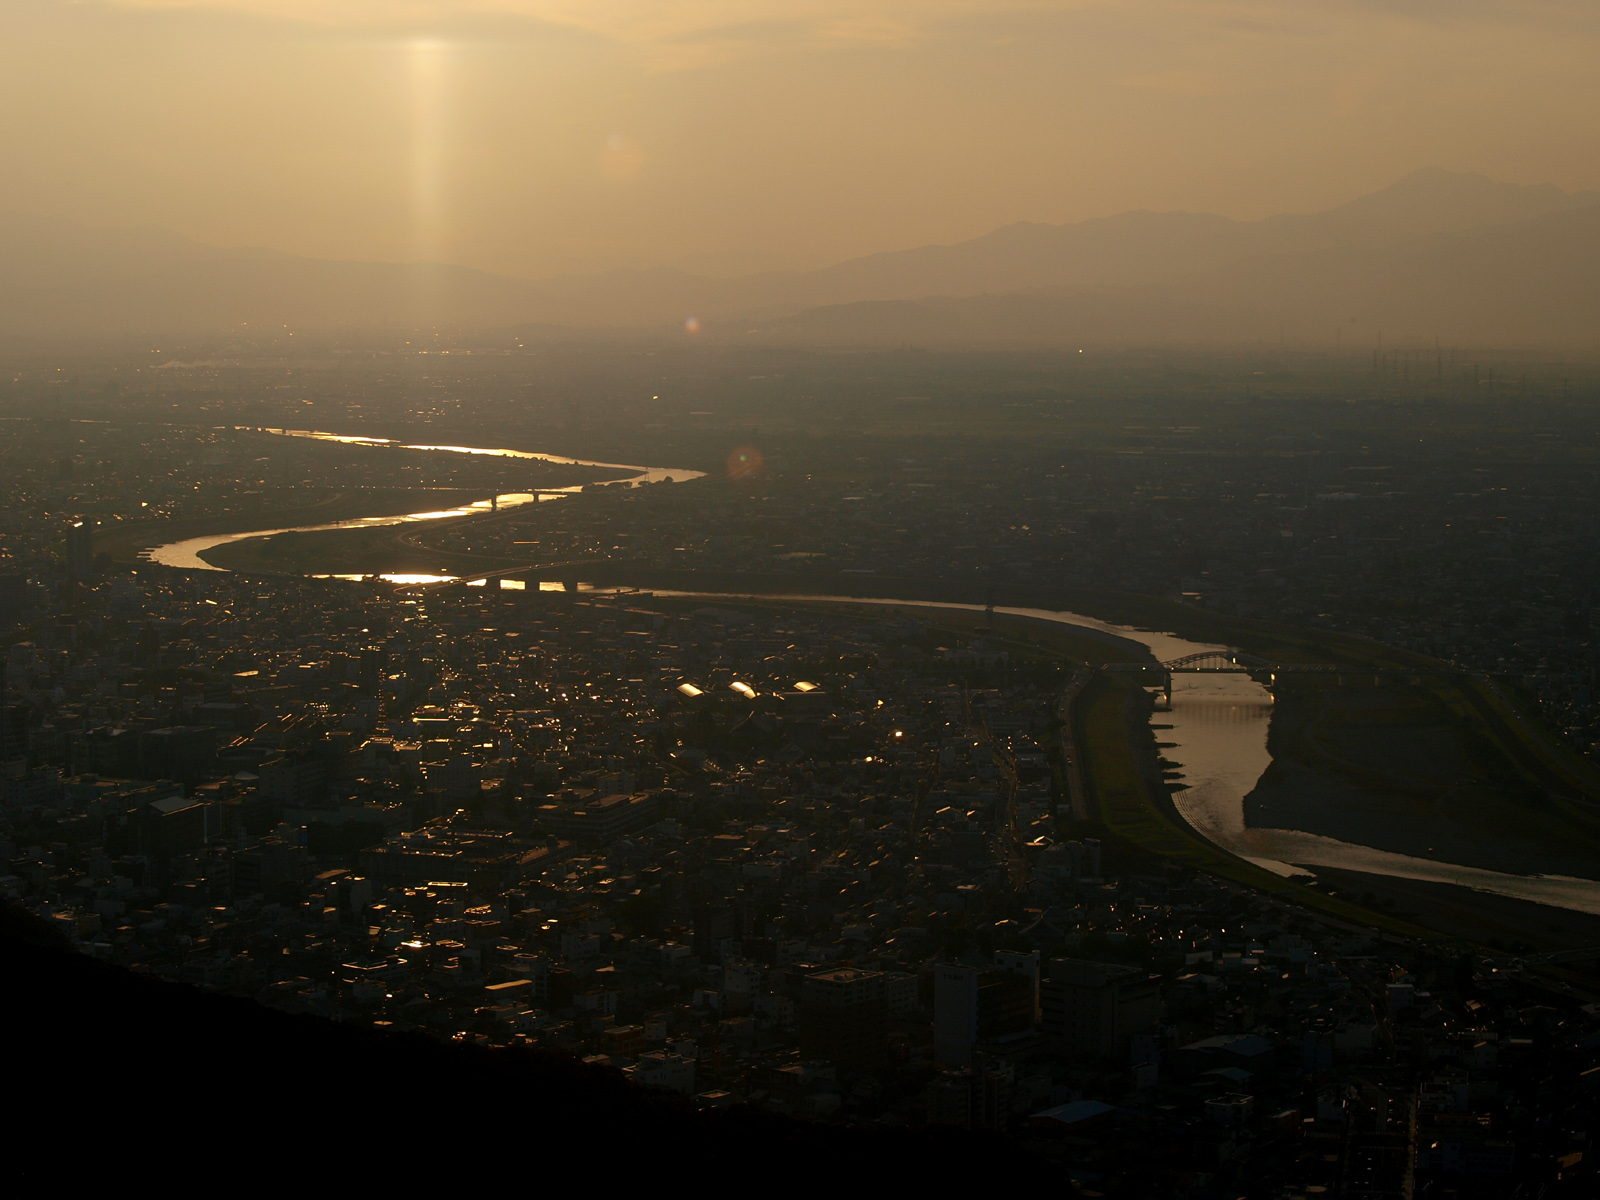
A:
(427, 66)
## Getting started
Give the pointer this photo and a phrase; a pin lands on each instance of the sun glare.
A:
(427, 67)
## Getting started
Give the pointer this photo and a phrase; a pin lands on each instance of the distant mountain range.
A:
(1437, 254)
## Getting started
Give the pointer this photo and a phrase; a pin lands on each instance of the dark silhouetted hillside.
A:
(119, 1078)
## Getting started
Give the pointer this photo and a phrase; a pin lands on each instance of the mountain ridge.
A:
(65, 279)
(1534, 283)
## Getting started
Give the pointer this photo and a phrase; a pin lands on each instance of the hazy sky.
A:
(541, 136)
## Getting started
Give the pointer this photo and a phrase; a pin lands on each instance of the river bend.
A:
(1216, 729)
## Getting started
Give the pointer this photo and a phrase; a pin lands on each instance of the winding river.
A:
(1217, 732)
(1216, 729)
(189, 553)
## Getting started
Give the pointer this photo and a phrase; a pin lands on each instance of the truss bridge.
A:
(1238, 662)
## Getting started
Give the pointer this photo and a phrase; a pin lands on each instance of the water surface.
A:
(1216, 730)
(189, 553)
(1217, 733)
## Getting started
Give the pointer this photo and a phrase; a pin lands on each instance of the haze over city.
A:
(530, 138)
(910, 596)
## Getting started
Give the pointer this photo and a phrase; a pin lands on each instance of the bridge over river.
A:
(1237, 662)
(1217, 731)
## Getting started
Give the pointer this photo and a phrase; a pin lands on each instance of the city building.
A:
(842, 1019)
(1096, 1008)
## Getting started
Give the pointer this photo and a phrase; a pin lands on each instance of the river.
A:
(189, 553)
(1216, 730)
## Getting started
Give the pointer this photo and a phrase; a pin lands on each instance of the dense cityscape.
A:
(1327, 498)
(869, 597)
(835, 862)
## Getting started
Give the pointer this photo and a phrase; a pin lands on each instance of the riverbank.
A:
(1219, 770)
(1396, 767)
(1501, 923)
(1131, 803)
(378, 550)
(278, 508)
(520, 477)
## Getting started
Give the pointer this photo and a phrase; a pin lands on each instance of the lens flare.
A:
(745, 463)
(621, 158)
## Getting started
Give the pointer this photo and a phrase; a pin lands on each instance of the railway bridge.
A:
(1239, 662)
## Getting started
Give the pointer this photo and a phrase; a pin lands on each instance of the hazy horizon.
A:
(536, 138)
(1434, 255)
(1563, 198)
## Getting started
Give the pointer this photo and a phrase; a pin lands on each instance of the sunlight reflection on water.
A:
(188, 553)
(1217, 724)
(1218, 730)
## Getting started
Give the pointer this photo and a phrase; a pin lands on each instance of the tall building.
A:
(80, 549)
(182, 752)
(843, 1018)
(1096, 1008)
(972, 1006)
(993, 1085)
(13, 727)
(171, 825)
(949, 1099)
(1017, 962)
(976, 1097)
(955, 1014)
(6, 748)
(13, 595)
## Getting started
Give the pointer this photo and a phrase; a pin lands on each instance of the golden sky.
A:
(535, 137)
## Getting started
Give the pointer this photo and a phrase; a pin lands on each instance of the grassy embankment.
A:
(1125, 804)
(1404, 767)
(1030, 641)
(1546, 792)
(1418, 766)
(1572, 781)
(1115, 738)
(1424, 738)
